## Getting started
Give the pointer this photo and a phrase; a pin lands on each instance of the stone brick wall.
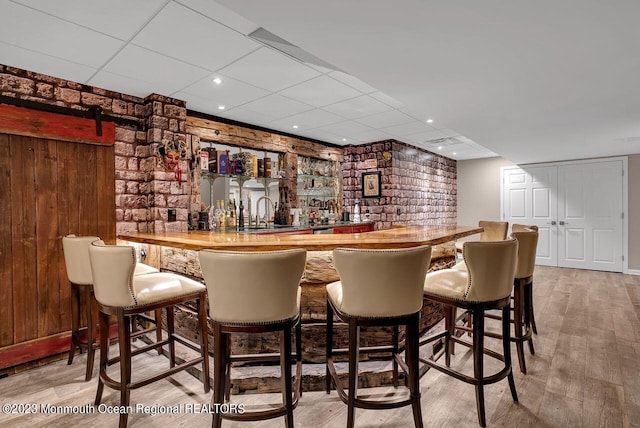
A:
(144, 189)
(418, 187)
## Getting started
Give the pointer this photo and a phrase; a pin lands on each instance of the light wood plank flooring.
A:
(586, 373)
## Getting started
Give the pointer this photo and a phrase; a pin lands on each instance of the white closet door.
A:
(529, 197)
(590, 216)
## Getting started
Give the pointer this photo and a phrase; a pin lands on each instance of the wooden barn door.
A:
(48, 189)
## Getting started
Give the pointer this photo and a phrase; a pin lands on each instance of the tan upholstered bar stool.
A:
(523, 279)
(493, 231)
(522, 291)
(487, 285)
(254, 292)
(120, 293)
(76, 258)
(377, 288)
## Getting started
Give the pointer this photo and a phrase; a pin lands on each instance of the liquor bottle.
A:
(223, 159)
(241, 216)
(276, 214)
(204, 160)
(222, 221)
(332, 215)
(213, 160)
(260, 168)
(267, 167)
(231, 216)
(254, 165)
(356, 211)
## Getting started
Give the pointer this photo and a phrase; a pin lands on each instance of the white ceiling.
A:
(531, 81)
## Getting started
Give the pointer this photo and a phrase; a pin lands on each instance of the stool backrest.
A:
(523, 227)
(527, 245)
(253, 287)
(76, 258)
(491, 266)
(382, 283)
(113, 267)
(493, 230)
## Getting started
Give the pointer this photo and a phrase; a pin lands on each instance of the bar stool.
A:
(493, 231)
(487, 285)
(254, 292)
(523, 279)
(377, 288)
(528, 289)
(76, 258)
(120, 293)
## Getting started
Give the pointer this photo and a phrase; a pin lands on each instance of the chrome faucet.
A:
(267, 200)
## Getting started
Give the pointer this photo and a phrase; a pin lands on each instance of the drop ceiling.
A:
(532, 82)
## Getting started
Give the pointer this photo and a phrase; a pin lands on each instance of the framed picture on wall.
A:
(371, 187)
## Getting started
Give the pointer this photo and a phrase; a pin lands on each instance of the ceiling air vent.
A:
(268, 38)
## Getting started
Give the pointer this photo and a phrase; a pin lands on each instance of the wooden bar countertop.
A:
(402, 237)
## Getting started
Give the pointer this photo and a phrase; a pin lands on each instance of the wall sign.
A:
(371, 187)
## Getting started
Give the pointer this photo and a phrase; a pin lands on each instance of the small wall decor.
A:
(170, 153)
(371, 187)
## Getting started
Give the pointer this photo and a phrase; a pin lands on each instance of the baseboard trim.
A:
(36, 349)
(633, 271)
(43, 347)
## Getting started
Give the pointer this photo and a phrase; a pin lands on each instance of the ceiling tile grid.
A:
(178, 48)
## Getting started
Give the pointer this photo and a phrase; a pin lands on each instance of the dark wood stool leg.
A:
(354, 343)
(531, 313)
(450, 324)
(124, 339)
(204, 342)
(158, 317)
(478, 362)
(227, 378)
(528, 315)
(219, 364)
(104, 353)
(75, 322)
(518, 304)
(413, 378)
(91, 328)
(298, 328)
(170, 334)
(396, 332)
(506, 348)
(329, 349)
(285, 373)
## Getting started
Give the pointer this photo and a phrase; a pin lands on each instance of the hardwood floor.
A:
(586, 373)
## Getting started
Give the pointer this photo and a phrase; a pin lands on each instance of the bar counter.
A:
(402, 237)
(177, 252)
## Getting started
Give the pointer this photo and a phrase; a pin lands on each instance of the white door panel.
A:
(544, 251)
(591, 208)
(529, 198)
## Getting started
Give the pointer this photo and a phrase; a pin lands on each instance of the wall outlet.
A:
(171, 214)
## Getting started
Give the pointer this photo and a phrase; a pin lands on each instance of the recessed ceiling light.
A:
(344, 139)
(429, 120)
(454, 153)
(217, 80)
(439, 147)
(295, 126)
(221, 107)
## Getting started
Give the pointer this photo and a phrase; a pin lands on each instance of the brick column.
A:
(166, 120)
